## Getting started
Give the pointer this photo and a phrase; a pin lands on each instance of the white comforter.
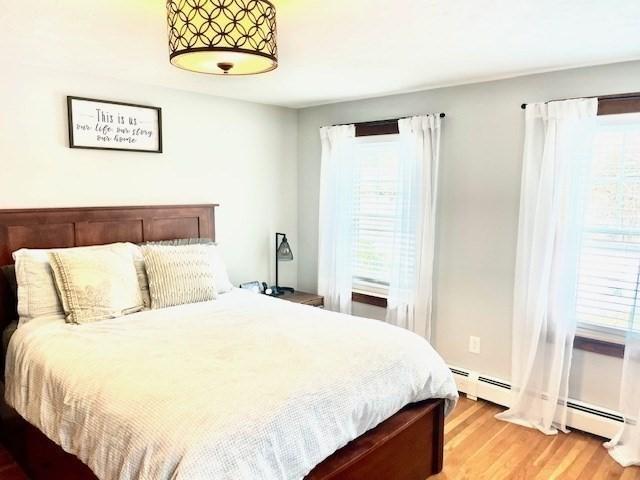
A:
(246, 387)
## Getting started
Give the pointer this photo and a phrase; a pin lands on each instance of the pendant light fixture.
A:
(224, 37)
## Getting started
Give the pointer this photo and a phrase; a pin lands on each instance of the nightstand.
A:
(304, 298)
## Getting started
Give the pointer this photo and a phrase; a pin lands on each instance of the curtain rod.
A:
(619, 96)
(378, 122)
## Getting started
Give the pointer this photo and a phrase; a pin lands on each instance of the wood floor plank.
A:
(478, 446)
(461, 407)
(630, 474)
(582, 460)
(515, 455)
(459, 419)
(470, 426)
(460, 450)
(567, 459)
(561, 447)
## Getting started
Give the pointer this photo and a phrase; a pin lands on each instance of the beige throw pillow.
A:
(95, 284)
(179, 274)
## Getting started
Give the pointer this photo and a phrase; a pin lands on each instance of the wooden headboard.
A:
(74, 227)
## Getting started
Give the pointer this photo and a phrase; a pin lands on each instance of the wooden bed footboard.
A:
(407, 446)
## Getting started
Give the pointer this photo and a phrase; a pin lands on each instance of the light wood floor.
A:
(477, 446)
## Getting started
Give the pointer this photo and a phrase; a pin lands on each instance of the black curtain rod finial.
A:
(442, 115)
(523, 106)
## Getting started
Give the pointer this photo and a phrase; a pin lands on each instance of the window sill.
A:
(369, 299)
(603, 347)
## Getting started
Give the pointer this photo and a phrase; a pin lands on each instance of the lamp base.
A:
(277, 291)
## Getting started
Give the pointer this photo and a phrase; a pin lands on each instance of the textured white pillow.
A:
(223, 284)
(96, 284)
(37, 292)
(179, 274)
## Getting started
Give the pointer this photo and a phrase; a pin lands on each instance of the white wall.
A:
(261, 164)
(478, 214)
(238, 154)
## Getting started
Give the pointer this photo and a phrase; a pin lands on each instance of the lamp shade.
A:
(225, 37)
(284, 252)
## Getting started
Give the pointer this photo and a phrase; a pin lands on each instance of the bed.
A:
(290, 391)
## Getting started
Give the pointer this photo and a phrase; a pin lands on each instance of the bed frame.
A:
(407, 446)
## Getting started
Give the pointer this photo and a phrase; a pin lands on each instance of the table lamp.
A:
(283, 254)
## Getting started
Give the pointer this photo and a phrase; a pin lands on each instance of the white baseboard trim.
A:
(581, 416)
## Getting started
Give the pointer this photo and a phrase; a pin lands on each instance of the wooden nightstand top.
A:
(304, 297)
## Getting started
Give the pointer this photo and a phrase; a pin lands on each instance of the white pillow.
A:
(223, 283)
(37, 291)
(37, 294)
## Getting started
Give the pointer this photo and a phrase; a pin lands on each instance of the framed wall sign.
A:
(105, 125)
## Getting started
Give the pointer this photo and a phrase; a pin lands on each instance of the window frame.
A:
(593, 338)
(370, 129)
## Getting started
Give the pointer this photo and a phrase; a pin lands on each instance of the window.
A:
(608, 299)
(376, 196)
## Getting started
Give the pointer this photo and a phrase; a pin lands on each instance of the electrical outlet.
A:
(474, 344)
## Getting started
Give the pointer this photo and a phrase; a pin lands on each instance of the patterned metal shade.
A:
(234, 37)
(284, 252)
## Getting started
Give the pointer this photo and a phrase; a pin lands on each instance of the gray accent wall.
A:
(482, 140)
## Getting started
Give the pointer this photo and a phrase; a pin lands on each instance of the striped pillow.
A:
(179, 274)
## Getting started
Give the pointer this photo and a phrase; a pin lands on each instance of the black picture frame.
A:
(70, 123)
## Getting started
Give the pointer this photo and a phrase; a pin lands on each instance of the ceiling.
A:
(334, 50)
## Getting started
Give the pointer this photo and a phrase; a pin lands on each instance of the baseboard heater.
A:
(581, 415)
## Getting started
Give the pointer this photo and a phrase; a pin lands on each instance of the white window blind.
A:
(376, 191)
(609, 269)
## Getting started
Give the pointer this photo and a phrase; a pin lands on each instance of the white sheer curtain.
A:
(558, 143)
(410, 287)
(335, 249)
(625, 446)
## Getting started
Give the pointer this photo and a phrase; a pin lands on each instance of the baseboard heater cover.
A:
(494, 382)
(457, 371)
(581, 415)
(596, 411)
